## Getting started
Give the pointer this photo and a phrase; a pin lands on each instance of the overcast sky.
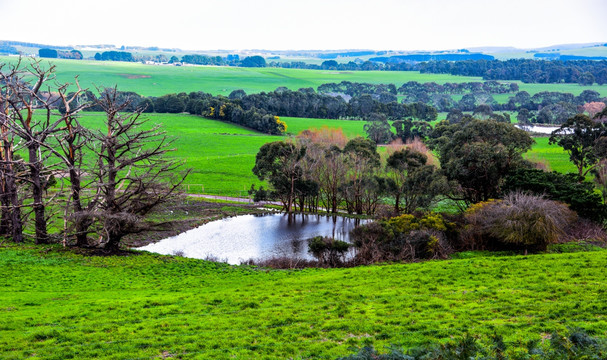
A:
(309, 24)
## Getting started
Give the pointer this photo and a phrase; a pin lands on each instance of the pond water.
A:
(247, 237)
(538, 129)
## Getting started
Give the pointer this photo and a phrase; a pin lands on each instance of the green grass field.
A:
(556, 158)
(221, 154)
(151, 80)
(57, 305)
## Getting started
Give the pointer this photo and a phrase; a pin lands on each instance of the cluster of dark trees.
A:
(545, 107)
(115, 56)
(307, 103)
(584, 72)
(203, 60)
(8, 49)
(54, 54)
(357, 89)
(101, 182)
(488, 87)
(349, 66)
(230, 60)
(558, 56)
(316, 172)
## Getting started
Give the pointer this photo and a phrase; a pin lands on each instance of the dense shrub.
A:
(519, 221)
(328, 251)
(402, 238)
(566, 188)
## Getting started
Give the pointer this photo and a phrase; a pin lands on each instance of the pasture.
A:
(60, 305)
(155, 80)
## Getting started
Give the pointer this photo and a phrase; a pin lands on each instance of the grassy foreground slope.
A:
(58, 305)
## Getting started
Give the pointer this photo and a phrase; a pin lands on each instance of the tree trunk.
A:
(113, 244)
(397, 203)
(290, 201)
(81, 222)
(15, 214)
(5, 203)
(38, 196)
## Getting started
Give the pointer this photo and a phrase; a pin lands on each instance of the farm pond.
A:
(260, 236)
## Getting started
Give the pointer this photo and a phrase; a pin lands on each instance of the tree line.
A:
(101, 182)
(60, 54)
(584, 72)
(260, 111)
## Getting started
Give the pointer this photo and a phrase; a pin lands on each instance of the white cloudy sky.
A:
(309, 24)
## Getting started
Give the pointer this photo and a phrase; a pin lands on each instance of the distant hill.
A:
(432, 57)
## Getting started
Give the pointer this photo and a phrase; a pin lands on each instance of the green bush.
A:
(402, 238)
(328, 251)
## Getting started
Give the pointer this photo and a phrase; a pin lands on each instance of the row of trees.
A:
(488, 87)
(115, 56)
(114, 175)
(584, 72)
(260, 111)
(320, 169)
(54, 54)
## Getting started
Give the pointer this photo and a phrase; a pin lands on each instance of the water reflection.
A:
(255, 236)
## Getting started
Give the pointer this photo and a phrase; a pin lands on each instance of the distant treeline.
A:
(357, 89)
(584, 72)
(8, 49)
(558, 56)
(115, 56)
(28, 44)
(60, 54)
(350, 54)
(432, 57)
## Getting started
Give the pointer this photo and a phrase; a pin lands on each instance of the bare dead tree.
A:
(68, 146)
(133, 174)
(32, 89)
(11, 222)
